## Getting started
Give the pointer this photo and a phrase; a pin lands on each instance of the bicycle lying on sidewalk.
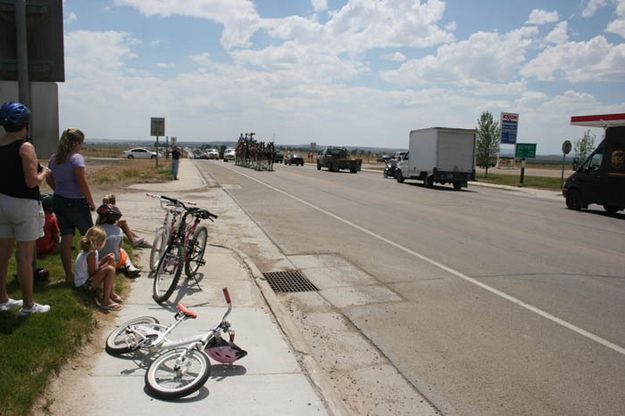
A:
(184, 366)
(184, 248)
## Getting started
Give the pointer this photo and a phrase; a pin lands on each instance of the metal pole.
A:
(562, 175)
(22, 52)
(522, 171)
(156, 152)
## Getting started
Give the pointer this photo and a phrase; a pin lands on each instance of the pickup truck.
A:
(337, 158)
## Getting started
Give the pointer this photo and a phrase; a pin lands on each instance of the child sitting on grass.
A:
(108, 217)
(134, 239)
(50, 242)
(90, 270)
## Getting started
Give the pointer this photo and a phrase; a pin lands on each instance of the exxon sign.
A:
(509, 124)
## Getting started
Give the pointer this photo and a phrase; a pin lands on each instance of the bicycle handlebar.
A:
(227, 295)
(202, 213)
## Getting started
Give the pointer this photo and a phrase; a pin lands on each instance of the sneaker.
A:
(37, 308)
(141, 243)
(11, 304)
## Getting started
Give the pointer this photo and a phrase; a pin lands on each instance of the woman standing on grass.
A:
(21, 215)
(72, 197)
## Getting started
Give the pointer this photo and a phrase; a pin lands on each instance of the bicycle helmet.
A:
(108, 213)
(14, 115)
(46, 200)
(223, 351)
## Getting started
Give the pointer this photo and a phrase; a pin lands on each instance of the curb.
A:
(519, 189)
(294, 337)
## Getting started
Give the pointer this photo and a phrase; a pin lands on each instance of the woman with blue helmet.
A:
(21, 215)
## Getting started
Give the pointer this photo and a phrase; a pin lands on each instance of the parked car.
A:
(279, 158)
(212, 154)
(294, 159)
(229, 154)
(384, 158)
(140, 153)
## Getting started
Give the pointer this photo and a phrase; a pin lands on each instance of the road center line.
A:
(454, 272)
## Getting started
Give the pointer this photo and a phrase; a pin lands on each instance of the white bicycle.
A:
(183, 366)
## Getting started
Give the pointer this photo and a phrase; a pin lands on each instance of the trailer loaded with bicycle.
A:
(179, 367)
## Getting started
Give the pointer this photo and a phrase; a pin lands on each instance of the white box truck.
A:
(439, 154)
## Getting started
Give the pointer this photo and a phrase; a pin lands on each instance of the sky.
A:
(339, 72)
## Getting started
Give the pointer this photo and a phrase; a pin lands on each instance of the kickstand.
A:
(197, 283)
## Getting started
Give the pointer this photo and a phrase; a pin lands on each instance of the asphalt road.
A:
(508, 304)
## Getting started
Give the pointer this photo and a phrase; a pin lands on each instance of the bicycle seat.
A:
(187, 312)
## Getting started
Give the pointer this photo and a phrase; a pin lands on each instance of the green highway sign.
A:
(525, 150)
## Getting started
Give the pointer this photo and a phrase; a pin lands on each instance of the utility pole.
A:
(22, 53)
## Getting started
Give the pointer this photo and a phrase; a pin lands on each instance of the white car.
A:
(140, 153)
(212, 154)
(229, 154)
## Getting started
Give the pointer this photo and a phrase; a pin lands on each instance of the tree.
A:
(584, 146)
(487, 141)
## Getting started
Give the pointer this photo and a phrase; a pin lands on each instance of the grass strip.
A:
(539, 182)
(33, 348)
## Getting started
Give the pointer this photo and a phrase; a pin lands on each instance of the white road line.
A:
(456, 273)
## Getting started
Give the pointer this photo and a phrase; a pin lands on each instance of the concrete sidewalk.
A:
(269, 380)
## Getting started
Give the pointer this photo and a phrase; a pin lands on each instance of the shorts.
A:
(21, 219)
(123, 257)
(72, 214)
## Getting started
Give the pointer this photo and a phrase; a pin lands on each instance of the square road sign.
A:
(525, 150)
(157, 126)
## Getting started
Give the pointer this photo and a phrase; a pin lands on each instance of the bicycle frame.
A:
(180, 251)
(172, 212)
(146, 333)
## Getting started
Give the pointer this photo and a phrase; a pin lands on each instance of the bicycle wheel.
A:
(195, 255)
(158, 246)
(171, 377)
(167, 273)
(121, 341)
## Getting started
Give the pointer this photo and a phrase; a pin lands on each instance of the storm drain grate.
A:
(289, 281)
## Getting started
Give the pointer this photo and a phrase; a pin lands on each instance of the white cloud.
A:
(239, 17)
(311, 51)
(593, 60)
(71, 17)
(319, 5)
(558, 35)
(450, 26)
(617, 26)
(485, 56)
(365, 24)
(540, 17)
(97, 52)
(394, 57)
(592, 7)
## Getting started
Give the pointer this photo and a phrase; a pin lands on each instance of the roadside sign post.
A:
(157, 128)
(566, 149)
(523, 151)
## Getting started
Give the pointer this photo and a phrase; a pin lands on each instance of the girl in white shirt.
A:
(90, 270)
